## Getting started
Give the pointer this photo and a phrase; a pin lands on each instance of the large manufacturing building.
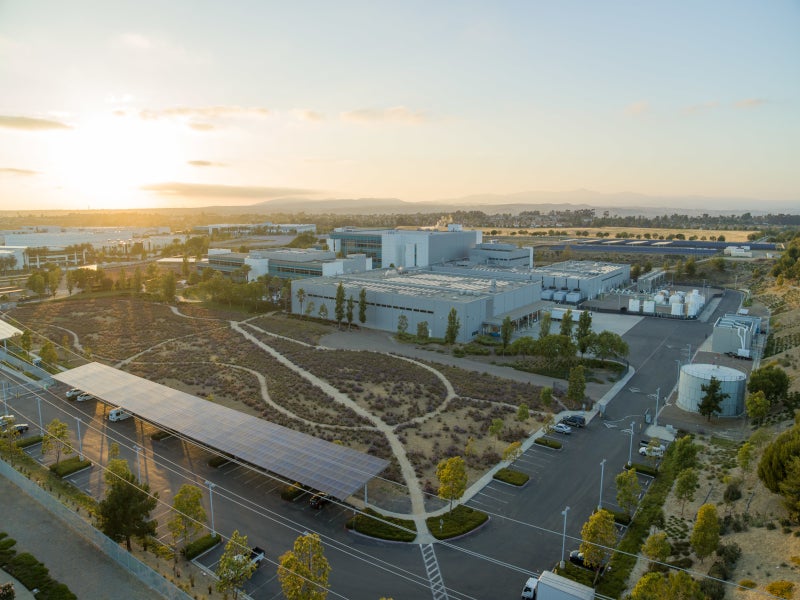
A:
(695, 376)
(405, 248)
(425, 295)
(287, 263)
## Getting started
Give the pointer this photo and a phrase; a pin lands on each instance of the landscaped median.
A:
(512, 477)
(548, 443)
(462, 519)
(373, 524)
(68, 466)
(30, 572)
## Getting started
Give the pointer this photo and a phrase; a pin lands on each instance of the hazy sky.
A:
(193, 103)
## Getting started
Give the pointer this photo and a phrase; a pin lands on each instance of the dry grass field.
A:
(734, 236)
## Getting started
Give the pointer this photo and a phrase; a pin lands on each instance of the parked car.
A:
(117, 414)
(257, 555)
(319, 500)
(576, 558)
(657, 451)
(84, 397)
(73, 393)
(561, 428)
(574, 421)
(21, 427)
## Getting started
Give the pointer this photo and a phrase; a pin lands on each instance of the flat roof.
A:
(331, 468)
(8, 331)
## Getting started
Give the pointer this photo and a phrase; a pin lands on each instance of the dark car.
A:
(319, 500)
(257, 555)
(576, 558)
(574, 421)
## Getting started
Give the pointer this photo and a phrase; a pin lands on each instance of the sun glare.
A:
(105, 160)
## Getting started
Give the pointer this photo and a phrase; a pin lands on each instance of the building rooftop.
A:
(707, 371)
(578, 269)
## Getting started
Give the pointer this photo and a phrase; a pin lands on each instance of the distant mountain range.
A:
(623, 204)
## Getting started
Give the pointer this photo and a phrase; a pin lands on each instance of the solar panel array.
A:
(327, 467)
(8, 331)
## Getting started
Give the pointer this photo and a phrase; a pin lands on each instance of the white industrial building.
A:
(576, 280)
(425, 295)
(287, 263)
(735, 334)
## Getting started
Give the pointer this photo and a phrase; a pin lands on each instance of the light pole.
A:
(39, 404)
(5, 401)
(630, 447)
(602, 472)
(211, 487)
(80, 440)
(138, 464)
(657, 397)
(564, 535)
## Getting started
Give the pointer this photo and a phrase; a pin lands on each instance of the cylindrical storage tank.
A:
(692, 307)
(682, 294)
(676, 309)
(649, 307)
(694, 376)
(559, 296)
(675, 298)
(659, 298)
(633, 305)
(573, 297)
(547, 294)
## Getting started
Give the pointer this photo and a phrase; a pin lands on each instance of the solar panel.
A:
(8, 331)
(331, 468)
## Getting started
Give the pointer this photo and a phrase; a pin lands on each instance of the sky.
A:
(131, 104)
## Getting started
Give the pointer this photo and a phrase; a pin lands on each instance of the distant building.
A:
(501, 255)
(583, 279)
(244, 229)
(286, 263)
(733, 333)
(405, 248)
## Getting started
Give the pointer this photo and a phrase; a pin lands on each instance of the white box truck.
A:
(549, 586)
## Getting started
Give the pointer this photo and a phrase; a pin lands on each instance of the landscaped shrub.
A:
(160, 435)
(781, 588)
(729, 553)
(374, 524)
(29, 441)
(70, 465)
(644, 469)
(34, 575)
(748, 584)
(459, 521)
(548, 443)
(200, 545)
(622, 518)
(719, 570)
(511, 476)
(714, 590)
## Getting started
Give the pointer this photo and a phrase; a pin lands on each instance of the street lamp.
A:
(602, 471)
(630, 447)
(80, 440)
(564, 535)
(211, 487)
(39, 404)
(138, 464)
(657, 396)
(5, 402)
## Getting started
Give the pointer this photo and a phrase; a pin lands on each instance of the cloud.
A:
(750, 103)
(21, 172)
(205, 112)
(637, 108)
(202, 126)
(30, 124)
(699, 108)
(307, 115)
(205, 190)
(135, 40)
(395, 114)
(205, 163)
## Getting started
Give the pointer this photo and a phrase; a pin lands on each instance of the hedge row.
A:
(512, 476)
(375, 525)
(68, 466)
(31, 573)
(29, 441)
(548, 443)
(200, 545)
(462, 519)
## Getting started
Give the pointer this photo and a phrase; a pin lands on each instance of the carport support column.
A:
(5, 402)
(80, 440)
(211, 487)
(365, 494)
(630, 447)
(602, 471)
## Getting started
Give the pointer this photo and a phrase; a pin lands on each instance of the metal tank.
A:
(676, 309)
(633, 305)
(649, 307)
(694, 376)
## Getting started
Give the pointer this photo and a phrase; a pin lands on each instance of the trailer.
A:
(549, 586)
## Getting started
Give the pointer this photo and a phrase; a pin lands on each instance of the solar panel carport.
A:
(331, 468)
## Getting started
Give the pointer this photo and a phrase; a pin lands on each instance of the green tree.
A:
(656, 547)
(235, 567)
(513, 451)
(452, 476)
(711, 403)
(339, 308)
(301, 298)
(745, 456)
(685, 453)
(523, 413)
(789, 488)
(303, 571)
(125, 511)
(496, 428)
(167, 286)
(584, 324)
(546, 396)
(545, 323)
(323, 311)
(677, 585)
(705, 535)
(310, 308)
(136, 284)
(691, 267)
(757, 406)
(776, 458)
(685, 486)
(567, 324)
(770, 379)
(402, 324)
(607, 344)
(49, 354)
(636, 271)
(26, 340)
(56, 439)
(576, 388)
(189, 516)
(422, 330)
(362, 306)
(628, 490)
(453, 326)
(506, 329)
(349, 311)
(598, 537)
(36, 283)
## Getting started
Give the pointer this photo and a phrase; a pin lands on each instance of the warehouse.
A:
(576, 280)
(424, 296)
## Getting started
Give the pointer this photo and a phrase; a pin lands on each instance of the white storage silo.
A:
(694, 376)
(659, 298)
(633, 305)
(676, 309)
(675, 299)
(649, 307)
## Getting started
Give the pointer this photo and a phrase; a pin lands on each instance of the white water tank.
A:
(675, 299)
(633, 305)
(649, 307)
(659, 298)
(676, 309)
(694, 376)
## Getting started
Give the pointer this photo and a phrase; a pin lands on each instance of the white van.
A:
(117, 414)
(529, 590)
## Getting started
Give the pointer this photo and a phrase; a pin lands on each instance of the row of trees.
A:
(343, 308)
